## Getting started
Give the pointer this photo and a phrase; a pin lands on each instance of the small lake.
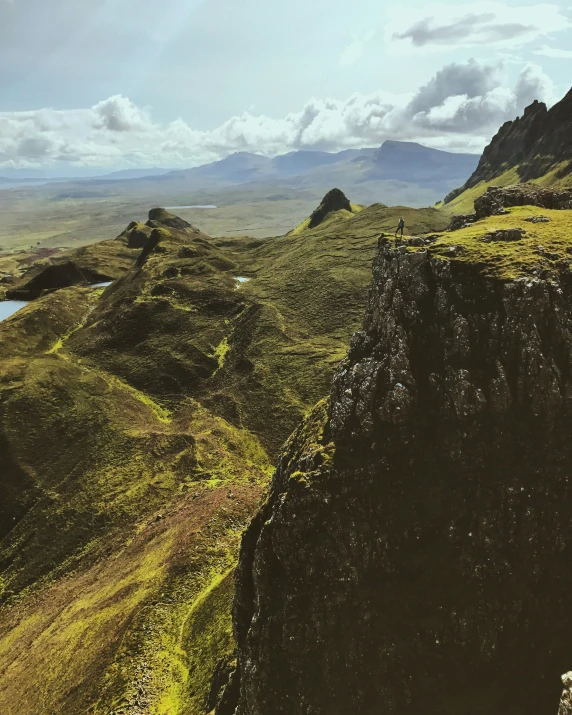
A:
(194, 206)
(9, 307)
(100, 285)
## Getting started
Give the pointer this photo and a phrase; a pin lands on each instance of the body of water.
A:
(101, 285)
(195, 206)
(9, 307)
(241, 279)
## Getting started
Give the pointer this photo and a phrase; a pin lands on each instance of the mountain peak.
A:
(534, 107)
(334, 200)
(162, 216)
(531, 146)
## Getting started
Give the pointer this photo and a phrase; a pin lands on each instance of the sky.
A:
(108, 84)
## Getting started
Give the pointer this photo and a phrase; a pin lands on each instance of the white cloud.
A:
(556, 52)
(118, 114)
(355, 49)
(458, 108)
(444, 26)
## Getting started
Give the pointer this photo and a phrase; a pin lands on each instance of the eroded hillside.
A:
(138, 424)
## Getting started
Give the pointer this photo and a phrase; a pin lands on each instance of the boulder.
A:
(505, 234)
(537, 219)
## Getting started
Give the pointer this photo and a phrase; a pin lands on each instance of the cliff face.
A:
(535, 144)
(413, 554)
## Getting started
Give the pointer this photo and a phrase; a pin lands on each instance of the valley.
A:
(272, 458)
(180, 383)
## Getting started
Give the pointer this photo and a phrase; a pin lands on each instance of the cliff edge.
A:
(413, 553)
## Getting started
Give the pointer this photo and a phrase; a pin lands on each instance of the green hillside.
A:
(138, 425)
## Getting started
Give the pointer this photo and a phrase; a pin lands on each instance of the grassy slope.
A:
(161, 396)
(544, 246)
(88, 569)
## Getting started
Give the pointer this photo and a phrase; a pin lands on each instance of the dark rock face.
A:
(535, 143)
(151, 244)
(413, 556)
(136, 235)
(334, 200)
(46, 278)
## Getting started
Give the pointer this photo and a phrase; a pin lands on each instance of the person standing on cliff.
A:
(400, 227)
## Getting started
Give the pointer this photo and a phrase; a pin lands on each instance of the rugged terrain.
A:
(536, 147)
(412, 554)
(138, 425)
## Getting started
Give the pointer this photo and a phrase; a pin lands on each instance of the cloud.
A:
(495, 23)
(355, 49)
(470, 79)
(118, 114)
(479, 28)
(459, 108)
(556, 52)
(469, 113)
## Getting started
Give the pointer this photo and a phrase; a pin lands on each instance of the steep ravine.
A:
(413, 555)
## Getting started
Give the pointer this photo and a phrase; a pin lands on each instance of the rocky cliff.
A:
(537, 146)
(413, 555)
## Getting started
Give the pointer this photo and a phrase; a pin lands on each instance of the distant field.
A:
(69, 215)
(73, 214)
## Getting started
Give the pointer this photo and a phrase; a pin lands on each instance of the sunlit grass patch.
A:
(510, 259)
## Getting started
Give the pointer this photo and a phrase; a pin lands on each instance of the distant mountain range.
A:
(18, 178)
(403, 172)
(132, 174)
(405, 162)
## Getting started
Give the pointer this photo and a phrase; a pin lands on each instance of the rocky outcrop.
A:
(504, 234)
(334, 200)
(135, 235)
(497, 199)
(164, 218)
(534, 144)
(413, 555)
(566, 700)
(461, 221)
